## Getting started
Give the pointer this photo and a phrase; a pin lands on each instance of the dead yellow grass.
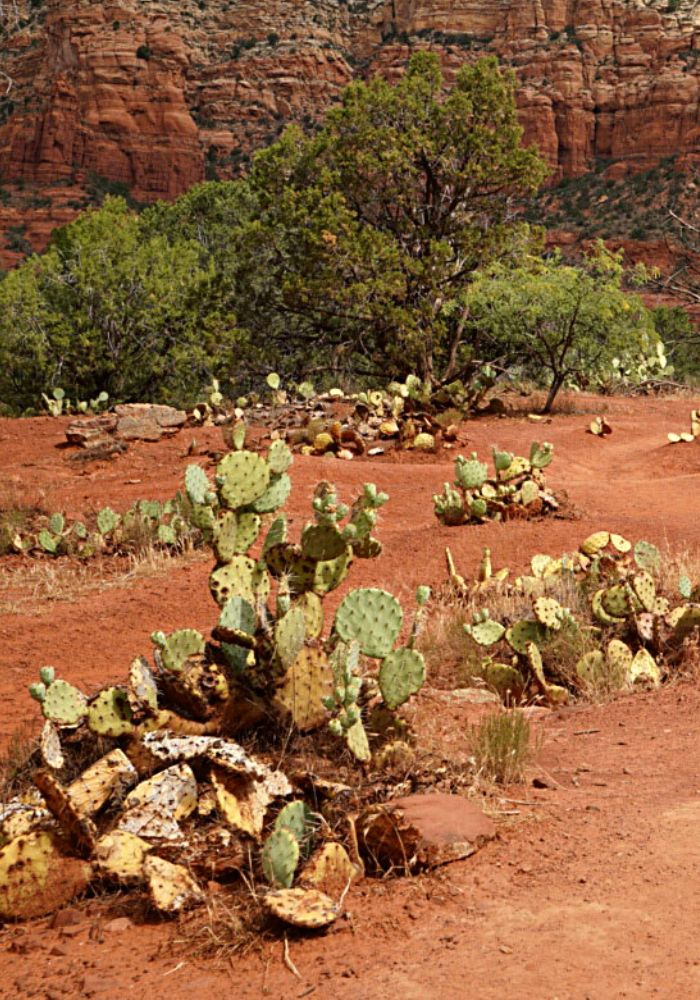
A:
(34, 585)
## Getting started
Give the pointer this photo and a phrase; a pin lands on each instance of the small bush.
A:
(500, 746)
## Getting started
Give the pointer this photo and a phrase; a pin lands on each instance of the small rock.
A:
(118, 925)
(534, 712)
(72, 931)
(65, 917)
(474, 696)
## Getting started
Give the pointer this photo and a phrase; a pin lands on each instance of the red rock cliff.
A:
(155, 95)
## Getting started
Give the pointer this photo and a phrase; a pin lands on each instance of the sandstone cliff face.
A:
(155, 95)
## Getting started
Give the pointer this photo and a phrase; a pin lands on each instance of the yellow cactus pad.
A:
(302, 907)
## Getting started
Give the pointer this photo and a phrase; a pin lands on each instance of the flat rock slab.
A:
(128, 422)
(422, 831)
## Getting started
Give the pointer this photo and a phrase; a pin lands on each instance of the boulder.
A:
(422, 831)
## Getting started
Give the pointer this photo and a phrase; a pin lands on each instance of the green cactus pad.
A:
(47, 675)
(529, 492)
(197, 485)
(298, 819)
(107, 521)
(305, 686)
(276, 534)
(239, 658)
(280, 857)
(57, 523)
(618, 660)
(179, 645)
(312, 606)
(470, 473)
(48, 542)
(518, 467)
(554, 693)
(599, 611)
(644, 669)
(548, 612)
(501, 459)
(358, 744)
(290, 633)
(279, 458)
(325, 576)
(647, 557)
(110, 713)
(619, 543)
(486, 633)
(685, 623)
(64, 704)
(539, 565)
(595, 543)
(478, 508)
(242, 478)
(238, 615)
(541, 454)
(616, 601)
(238, 577)
(505, 680)
(371, 616)
(401, 674)
(645, 589)
(323, 543)
(275, 496)
(524, 632)
(591, 668)
(234, 534)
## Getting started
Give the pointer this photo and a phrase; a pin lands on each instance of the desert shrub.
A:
(562, 323)
(109, 308)
(500, 745)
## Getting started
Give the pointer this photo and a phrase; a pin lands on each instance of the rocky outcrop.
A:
(150, 97)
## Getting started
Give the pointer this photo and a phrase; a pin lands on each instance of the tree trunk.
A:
(554, 388)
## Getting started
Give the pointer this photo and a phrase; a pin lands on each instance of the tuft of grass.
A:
(500, 746)
(18, 762)
(35, 584)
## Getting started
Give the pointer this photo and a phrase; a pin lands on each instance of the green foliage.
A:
(681, 339)
(381, 218)
(567, 322)
(114, 309)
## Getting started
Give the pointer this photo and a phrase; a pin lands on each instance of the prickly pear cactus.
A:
(280, 857)
(401, 674)
(110, 713)
(372, 617)
(517, 490)
(60, 702)
(470, 473)
(178, 646)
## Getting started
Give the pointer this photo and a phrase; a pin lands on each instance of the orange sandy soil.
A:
(590, 890)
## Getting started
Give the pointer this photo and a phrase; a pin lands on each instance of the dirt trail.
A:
(590, 891)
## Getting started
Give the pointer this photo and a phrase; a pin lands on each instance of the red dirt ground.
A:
(590, 890)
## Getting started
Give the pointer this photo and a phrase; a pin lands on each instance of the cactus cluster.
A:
(58, 403)
(167, 524)
(173, 776)
(516, 490)
(634, 633)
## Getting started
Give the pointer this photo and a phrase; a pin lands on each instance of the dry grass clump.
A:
(500, 746)
(454, 660)
(35, 585)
